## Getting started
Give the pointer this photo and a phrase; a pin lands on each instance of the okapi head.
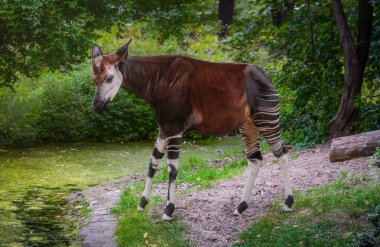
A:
(106, 75)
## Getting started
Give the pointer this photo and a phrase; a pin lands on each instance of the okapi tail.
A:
(263, 101)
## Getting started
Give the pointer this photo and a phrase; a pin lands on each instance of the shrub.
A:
(56, 107)
(127, 118)
(19, 112)
(66, 114)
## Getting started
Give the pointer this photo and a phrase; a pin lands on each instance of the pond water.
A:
(42, 212)
(35, 181)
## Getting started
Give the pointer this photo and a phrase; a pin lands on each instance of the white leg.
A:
(284, 164)
(173, 148)
(158, 153)
(254, 168)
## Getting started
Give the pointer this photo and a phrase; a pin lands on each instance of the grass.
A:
(146, 228)
(34, 182)
(134, 225)
(136, 228)
(326, 216)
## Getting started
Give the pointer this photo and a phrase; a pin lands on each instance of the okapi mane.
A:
(137, 70)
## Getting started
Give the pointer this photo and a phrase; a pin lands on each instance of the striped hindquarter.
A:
(264, 122)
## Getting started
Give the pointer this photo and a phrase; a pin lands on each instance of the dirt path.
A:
(209, 212)
(98, 229)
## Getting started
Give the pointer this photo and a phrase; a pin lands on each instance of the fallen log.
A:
(354, 146)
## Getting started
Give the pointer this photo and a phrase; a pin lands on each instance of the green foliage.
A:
(126, 119)
(56, 107)
(66, 109)
(167, 19)
(52, 34)
(19, 113)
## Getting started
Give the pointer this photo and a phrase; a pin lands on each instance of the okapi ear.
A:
(122, 53)
(96, 51)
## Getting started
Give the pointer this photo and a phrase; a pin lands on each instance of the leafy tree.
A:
(355, 61)
(53, 34)
(304, 57)
(169, 18)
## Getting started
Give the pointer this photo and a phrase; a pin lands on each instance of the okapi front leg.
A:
(173, 147)
(287, 183)
(158, 153)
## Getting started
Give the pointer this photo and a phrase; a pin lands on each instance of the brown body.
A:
(191, 94)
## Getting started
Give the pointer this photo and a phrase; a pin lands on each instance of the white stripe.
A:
(176, 136)
(173, 162)
(176, 146)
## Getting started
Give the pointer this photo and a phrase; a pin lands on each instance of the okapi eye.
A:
(109, 79)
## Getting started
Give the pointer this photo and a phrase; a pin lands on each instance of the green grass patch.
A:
(137, 228)
(326, 216)
(196, 168)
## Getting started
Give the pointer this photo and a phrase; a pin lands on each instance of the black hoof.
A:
(143, 203)
(240, 209)
(289, 201)
(288, 204)
(169, 209)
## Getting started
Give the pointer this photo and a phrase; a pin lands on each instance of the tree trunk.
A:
(355, 59)
(225, 14)
(355, 146)
(281, 11)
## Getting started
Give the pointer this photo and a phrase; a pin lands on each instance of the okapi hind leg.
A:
(284, 164)
(279, 150)
(158, 153)
(251, 137)
(173, 149)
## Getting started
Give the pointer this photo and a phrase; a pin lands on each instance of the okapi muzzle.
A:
(99, 106)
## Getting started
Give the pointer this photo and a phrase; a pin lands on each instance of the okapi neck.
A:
(141, 75)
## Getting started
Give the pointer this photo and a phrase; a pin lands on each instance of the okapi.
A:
(189, 94)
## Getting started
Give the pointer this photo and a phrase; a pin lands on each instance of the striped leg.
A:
(251, 137)
(158, 153)
(173, 148)
(267, 120)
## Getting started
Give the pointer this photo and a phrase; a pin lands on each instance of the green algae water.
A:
(35, 181)
(42, 212)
